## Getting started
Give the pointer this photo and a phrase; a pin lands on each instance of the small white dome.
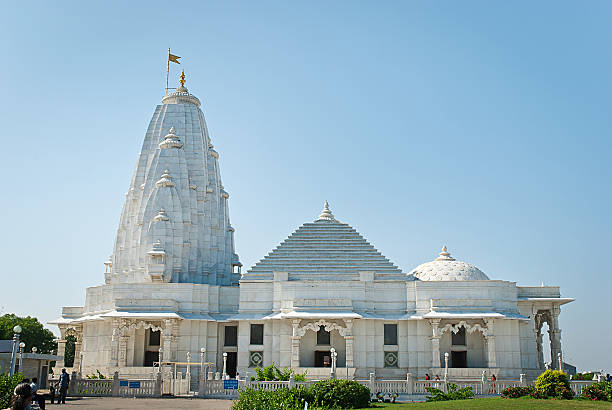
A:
(447, 268)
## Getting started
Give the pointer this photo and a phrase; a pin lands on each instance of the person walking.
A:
(64, 381)
(492, 386)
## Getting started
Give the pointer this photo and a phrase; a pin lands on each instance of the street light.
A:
(188, 355)
(21, 347)
(334, 354)
(161, 352)
(202, 355)
(16, 331)
(445, 365)
(224, 364)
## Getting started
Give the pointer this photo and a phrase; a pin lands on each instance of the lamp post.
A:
(445, 365)
(16, 332)
(224, 364)
(202, 355)
(21, 347)
(188, 366)
(38, 370)
(334, 355)
(160, 357)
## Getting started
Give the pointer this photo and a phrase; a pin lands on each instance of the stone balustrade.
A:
(117, 387)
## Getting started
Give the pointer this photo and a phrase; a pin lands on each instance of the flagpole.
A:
(168, 71)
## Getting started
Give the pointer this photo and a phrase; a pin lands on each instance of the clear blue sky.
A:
(483, 125)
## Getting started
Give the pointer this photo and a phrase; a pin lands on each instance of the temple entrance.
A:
(150, 357)
(459, 359)
(322, 358)
(231, 364)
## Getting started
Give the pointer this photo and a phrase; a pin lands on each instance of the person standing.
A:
(64, 381)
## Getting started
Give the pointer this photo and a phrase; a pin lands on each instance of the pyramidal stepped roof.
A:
(325, 249)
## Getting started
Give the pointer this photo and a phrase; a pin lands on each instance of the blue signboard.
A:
(134, 385)
(123, 383)
(231, 384)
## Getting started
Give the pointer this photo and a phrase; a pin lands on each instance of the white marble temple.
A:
(173, 285)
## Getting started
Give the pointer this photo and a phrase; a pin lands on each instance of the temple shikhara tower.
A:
(173, 288)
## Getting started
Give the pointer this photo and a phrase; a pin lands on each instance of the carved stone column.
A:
(169, 336)
(555, 337)
(123, 339)
(490, 338)
(114, 358)
(349, 339)
(77, 353)
(435, 343)
(61, 348)
(295, 344)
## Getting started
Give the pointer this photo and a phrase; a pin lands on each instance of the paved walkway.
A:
(116, 403)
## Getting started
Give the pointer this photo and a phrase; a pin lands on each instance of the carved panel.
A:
(468, 328)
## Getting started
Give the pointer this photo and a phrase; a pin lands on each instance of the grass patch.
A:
(499, 403)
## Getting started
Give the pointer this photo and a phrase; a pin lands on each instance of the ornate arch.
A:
(469, 328)
(72, 330)
(314, 326)
(135, 325)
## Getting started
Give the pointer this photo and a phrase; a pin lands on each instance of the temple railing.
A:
(166, 384)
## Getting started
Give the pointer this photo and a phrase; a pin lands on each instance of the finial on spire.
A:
(182, 80)
(445, 255)
(172, 130)
(326, 214)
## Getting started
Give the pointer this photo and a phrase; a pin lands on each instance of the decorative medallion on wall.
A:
(255, 359)
(390, 359)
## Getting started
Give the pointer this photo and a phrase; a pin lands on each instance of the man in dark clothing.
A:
(64, 381)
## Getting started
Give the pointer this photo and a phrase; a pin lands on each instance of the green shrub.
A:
(273, 373)
(96, 375)
(284, 398)
(453, 393)
(345, 394)
(553, 383)
(598, 391)
(7, 386)
(324, 394)
(516, 392)
(583, 376)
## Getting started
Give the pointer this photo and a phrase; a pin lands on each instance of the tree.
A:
(33, 333)
(69, 351)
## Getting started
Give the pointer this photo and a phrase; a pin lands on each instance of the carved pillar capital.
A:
(295, 324)
(348, 323)
(435, 323)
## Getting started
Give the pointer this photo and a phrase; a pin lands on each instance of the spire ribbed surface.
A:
(175, 223)
(324, 250)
